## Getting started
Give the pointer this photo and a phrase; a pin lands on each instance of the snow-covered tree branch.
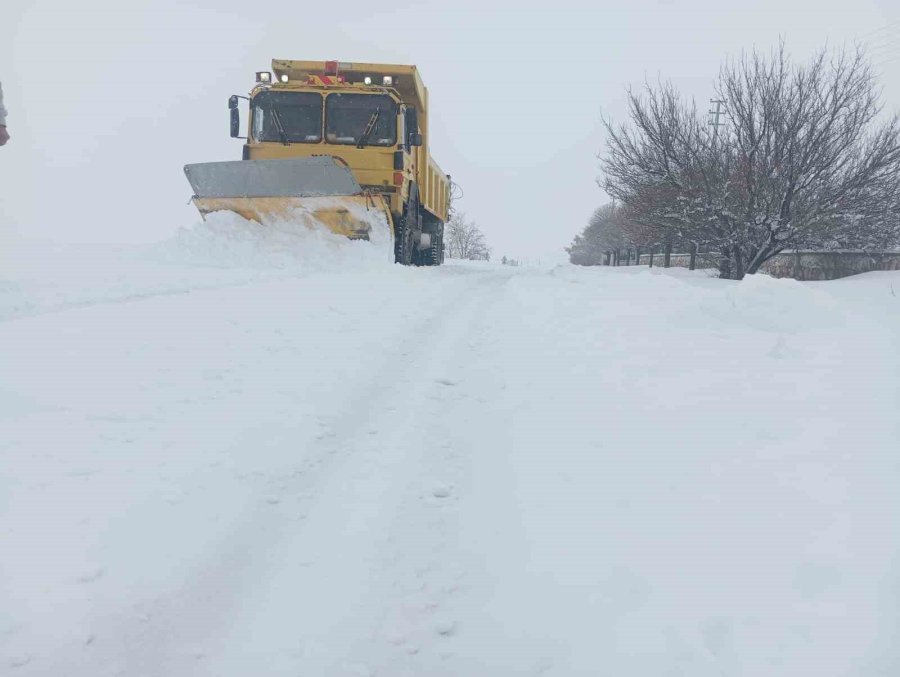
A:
(805, 159)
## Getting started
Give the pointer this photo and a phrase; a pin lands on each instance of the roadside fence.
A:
(797, 264)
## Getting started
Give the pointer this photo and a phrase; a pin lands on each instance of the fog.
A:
(108, 100)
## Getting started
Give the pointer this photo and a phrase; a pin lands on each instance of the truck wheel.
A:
(403, 245)
(437, 250)
(435, 254)
(407, 228)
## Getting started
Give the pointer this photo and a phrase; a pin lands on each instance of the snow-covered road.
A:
(471, 470)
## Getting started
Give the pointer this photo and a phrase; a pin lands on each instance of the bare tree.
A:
(603, 232)
(803, 161)
(464, 239)
(612, 227)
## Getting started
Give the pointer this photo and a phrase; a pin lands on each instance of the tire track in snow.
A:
(351, 472)
(330, 583)
(416, 613)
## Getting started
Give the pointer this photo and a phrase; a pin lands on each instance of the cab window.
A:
(361, 119)
(287, 117)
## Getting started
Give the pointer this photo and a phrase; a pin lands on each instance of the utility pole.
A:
(715, 115)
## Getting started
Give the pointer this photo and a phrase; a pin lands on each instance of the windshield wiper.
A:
(370, 127)
(280, 127)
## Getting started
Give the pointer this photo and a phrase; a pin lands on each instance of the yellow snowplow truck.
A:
(342, 143)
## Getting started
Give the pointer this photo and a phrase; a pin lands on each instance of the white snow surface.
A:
(248, 452)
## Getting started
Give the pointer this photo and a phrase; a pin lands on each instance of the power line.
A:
(887, 44)
(885, 32)
(886, 39)
(875, 49)
(892, 59)
(885, 50)
(887, 26)
(887, 54)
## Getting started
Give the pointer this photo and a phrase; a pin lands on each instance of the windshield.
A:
(370, 117)
(299, 115)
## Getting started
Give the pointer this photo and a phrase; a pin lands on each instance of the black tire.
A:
(405, 231)
(437, 251)
(434, 256)
(403, 246)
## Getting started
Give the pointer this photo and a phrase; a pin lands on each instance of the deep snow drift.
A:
(232, 454)
(225, 250)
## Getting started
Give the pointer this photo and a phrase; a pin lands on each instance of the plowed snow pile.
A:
(227, 240)
(259, 454)
(224, 250)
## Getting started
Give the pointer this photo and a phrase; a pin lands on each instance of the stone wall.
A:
(828, 265)
(800, 265)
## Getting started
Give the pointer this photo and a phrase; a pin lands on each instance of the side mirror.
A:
(235, 116)
(413, 138)
(235, 123)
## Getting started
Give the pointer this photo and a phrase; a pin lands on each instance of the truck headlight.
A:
(388, 81)
(367, 80)
(284, 77)
(264, 77)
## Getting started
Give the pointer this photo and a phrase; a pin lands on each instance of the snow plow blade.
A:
(312, 190)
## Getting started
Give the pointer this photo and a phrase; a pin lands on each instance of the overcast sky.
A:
(109, 99)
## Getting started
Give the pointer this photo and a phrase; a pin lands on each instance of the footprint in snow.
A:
(780, 349)
(90, 576)
(442, 490)
(445, 628)
(19, 661)
(542, 667)
(81, 472)
(395, 637)
(446, 382)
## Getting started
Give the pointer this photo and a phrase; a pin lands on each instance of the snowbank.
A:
(229, 241)
(226, 249)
